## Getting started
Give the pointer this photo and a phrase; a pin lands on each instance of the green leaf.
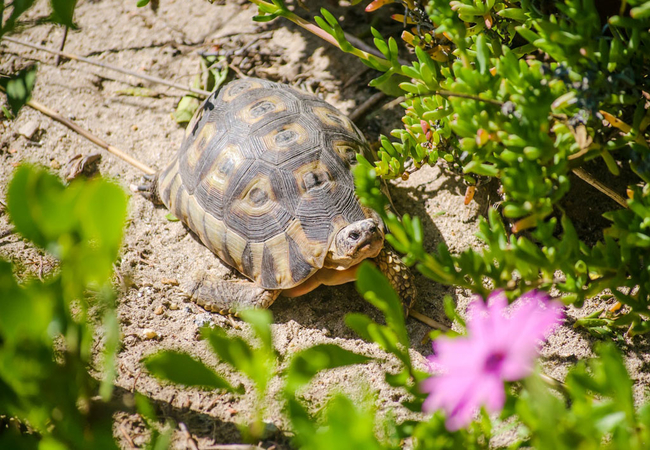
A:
(376, 289)
(111, 347)
(264, 18)
(18, 302)
(19, 87)
(181, 368)
(517, 14)
(257, 364)
(307, 363)
(399, 379)
(141, 3)
(38, 207)
(144, 408)
(81, 224)
(482, 54)
(345, 426)
(389, 83)
(260, 320)
(62, 12)
(641, 12)
(186, 109)
(360, 324)
(19, 7)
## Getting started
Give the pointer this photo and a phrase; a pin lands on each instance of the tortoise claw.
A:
(149, 189)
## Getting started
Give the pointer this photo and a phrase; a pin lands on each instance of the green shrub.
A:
(525, 92)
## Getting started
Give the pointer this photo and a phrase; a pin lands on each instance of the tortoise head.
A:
(354, 243)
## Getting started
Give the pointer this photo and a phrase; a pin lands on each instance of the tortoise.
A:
(263, 178)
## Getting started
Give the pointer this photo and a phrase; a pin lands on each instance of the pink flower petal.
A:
(501, 345)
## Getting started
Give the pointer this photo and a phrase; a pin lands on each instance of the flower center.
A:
(494, 361)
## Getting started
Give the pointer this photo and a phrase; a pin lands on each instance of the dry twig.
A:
(91, 137)
(126, 436)
(366, 106)
(429, 321)
(71, 56)
(590, 179)
(188, 436)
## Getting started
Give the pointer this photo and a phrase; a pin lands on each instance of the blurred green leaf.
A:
(307, 363)
(18, 87)
(256, 364)
(345, 426)
(186, 109)
(260, 320)
(375, 288)
(19, 8)
(63, 12)
(181, 368)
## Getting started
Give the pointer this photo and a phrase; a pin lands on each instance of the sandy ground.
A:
(157, 251)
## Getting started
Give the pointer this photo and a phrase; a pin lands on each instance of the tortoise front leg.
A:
(149, 189)
(214, 294)
(399, 275)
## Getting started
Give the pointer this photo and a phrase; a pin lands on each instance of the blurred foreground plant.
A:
(540, 418)
(45, 336)
(48, 396)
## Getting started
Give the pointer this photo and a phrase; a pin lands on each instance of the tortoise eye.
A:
(350, 155)
(257, 197)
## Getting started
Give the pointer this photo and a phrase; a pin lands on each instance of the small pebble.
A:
(170, 281)
(173, 306)
(54, 164)
(29, 129)
(134, 127)
(148, 333)
(12, 150)
(159, 310)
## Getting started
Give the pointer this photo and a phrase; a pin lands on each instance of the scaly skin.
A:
(225, 297)
(399, 275)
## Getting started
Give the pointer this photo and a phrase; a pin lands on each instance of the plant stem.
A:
(316, 30)
(444, 93)
(57, 61)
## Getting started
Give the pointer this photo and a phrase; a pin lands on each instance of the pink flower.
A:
(501, 345)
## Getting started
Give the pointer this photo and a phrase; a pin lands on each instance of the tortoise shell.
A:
(263, 179)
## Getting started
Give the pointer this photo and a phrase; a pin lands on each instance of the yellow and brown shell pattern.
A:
(263, 178)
